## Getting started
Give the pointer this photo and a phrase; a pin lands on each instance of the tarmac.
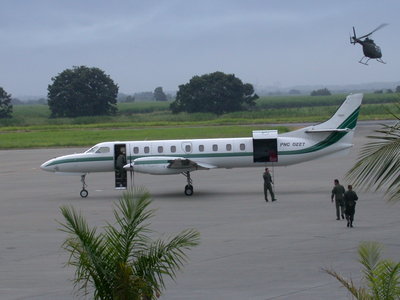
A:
(249, 249)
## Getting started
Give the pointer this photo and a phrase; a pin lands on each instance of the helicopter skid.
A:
(366, 62)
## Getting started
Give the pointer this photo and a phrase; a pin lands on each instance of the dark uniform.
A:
(350, 198)
(268, 185)
(120, 163)
(338, 193)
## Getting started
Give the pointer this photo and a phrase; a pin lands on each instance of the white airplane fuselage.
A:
(264, 148)
(291, 151)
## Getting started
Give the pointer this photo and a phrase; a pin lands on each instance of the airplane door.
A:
(187, 147)
(265, 146)
(120, 161)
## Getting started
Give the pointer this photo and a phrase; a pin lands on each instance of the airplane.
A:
(166, 157)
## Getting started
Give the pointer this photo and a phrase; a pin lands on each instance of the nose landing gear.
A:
(84, 193)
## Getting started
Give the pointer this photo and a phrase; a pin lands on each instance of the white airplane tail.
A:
(332, 137)
(344, 120)
(345, 117)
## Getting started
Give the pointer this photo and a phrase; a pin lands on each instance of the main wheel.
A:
(84, 193)
(189, 190)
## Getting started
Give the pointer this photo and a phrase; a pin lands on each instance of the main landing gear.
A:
(189, 186)
(84, 193)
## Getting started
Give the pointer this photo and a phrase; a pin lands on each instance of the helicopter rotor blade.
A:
(376, 29)
(354, 37)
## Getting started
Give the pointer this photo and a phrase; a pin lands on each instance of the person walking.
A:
(268, 185)
(350, 198)
(338, 193)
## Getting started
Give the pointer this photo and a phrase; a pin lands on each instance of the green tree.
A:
(82, 91)
(159, 94)
(381, 276)
(378, 164)
(216, 92)
(321, 92)
(123, 262)
(6, 106)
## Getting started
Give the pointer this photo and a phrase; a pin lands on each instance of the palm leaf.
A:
(86, 252)
(358, 293)
(165, 258)
(379, 163)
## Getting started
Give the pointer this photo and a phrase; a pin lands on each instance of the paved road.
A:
(249, 249)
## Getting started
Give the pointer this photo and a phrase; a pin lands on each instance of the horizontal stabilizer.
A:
(316, 130)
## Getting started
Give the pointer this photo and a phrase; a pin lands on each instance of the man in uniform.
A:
(338, 193)
(120, 163)
(268, 185)
(350, 198)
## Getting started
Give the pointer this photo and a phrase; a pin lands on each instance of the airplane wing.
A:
(159, 165)
(185, 163)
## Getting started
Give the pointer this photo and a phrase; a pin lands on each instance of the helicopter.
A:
(370, 49)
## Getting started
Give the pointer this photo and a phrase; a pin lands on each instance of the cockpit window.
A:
(103, 150)
(92, 150)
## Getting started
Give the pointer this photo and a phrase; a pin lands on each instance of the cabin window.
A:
(173, 149)
(146, 149)
(215, 147)
(136, 150)
(242, 147)
(103, 150)
(188, 149)
(201, 148)
(228, 147)
(160, 149)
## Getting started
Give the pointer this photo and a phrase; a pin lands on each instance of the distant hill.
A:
(337, 89)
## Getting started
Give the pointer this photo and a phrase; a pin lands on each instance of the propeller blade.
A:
(131, 170)
(377, 28)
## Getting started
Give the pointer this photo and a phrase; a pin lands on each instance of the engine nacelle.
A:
(157, 165)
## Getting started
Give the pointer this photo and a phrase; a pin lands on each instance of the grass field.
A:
(31, 126)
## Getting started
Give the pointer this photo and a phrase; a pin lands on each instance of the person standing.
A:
(338, 193)
(268, 185)
(120, 163)
(350, 198)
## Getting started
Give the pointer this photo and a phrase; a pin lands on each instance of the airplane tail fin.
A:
(345, 118)
(340, 127)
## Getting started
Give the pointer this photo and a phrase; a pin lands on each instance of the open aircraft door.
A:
(120, 160)
(265, 146)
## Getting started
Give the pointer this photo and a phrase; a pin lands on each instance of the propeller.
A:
(131, 170)
(377, 28)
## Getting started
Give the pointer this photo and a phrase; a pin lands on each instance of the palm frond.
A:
(165, 258)
(369, 253)
(379, 163)
(358, 293)
(86, 250)
(132, 227)
(385, 283)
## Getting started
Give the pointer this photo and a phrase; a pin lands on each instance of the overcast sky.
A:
(145, 44)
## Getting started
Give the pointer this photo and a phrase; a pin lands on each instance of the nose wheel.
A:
(189, 186)
(84, 193)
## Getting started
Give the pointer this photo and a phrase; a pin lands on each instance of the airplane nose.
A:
(46, 166)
